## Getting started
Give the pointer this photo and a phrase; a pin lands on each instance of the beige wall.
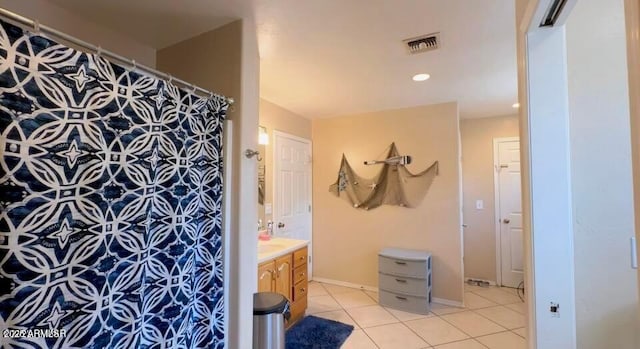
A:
(198, 61)
(346, 240)
(67, 22)
(477, 183)
(274, 117)
(226, 61)
(602, 185)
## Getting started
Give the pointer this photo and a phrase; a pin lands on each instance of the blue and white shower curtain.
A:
(110, 204)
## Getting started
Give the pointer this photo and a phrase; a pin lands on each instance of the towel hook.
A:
(249, 153)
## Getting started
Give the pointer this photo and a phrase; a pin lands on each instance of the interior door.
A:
(509, 212)
(292, 187)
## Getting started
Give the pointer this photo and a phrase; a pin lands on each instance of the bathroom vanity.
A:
(282, 268)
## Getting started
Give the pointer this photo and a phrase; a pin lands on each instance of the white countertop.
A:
(277, 247)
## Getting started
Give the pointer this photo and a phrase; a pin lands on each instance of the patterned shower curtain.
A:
(110, 204)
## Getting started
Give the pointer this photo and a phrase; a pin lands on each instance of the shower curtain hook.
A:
(134, 65)
(36, 26)
(170, 79)
(193, 89)
(99, 51)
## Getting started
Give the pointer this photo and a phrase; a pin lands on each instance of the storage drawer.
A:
(406, 285)
(299, 274)
(300, 290)
(300, 257)
(412, 304)
(298, 309)
(403, 267)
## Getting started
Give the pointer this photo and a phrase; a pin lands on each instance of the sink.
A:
(268, 248)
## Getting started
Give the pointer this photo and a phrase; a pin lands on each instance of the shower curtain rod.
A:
(116, 58)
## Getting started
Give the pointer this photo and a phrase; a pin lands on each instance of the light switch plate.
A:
(267, 208)
(479, 204)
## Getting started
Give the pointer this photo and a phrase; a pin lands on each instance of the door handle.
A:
(506, 221)
(280, 225)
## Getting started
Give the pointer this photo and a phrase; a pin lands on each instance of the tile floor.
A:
(494, 319)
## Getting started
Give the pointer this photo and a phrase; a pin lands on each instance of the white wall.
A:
(606, 286)
(67, 22)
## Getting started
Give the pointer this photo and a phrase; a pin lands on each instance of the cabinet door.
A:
(266, 275)
(283, 276)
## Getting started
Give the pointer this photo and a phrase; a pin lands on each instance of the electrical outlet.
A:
(554, 309)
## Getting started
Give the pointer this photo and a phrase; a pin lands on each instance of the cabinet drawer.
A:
(299, 274)
(300, 257)
(403, 267)
(412, 304)
(300, 291)
(406, 285)
(297, 309)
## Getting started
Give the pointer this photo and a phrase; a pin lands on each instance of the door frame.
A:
(496, 203)
(546, 181)
(632, 20)
(274, 179)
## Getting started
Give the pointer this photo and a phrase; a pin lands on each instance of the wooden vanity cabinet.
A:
(283, 268)
(287, 275)
(266, 276)
(300, 284)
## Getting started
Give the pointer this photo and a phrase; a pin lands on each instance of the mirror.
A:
(263, 140)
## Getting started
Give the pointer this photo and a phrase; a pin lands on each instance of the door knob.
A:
(280, 225)
(506, 221)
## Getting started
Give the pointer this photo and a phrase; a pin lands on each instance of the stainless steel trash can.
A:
(270, 310)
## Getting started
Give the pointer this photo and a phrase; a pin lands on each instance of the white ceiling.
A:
(327, 58)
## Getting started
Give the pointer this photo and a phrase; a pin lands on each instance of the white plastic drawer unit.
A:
(404, 279)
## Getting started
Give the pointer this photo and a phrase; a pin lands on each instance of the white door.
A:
(292, 188)
(508, 212)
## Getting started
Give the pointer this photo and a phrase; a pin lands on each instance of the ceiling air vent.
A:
(423, 43)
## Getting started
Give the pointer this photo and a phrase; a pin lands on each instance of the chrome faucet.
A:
(270, 228)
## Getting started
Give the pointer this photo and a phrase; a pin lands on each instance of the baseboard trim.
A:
(447, 302)
(491, 283)
(345, 284)
(375, 289)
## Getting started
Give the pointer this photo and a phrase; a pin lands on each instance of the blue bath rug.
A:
(317, 333)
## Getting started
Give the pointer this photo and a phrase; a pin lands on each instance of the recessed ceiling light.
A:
(516, 105)
(421, 77)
